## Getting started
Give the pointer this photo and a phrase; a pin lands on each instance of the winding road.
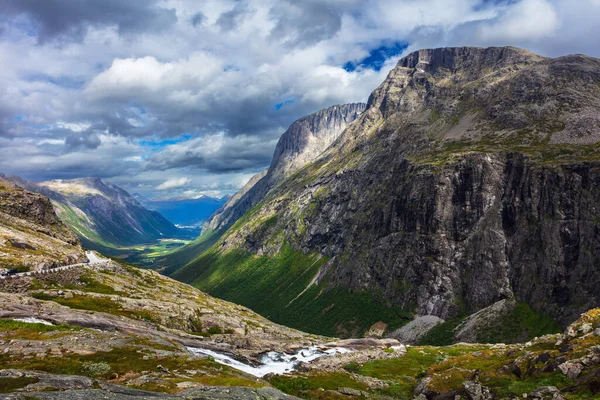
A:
(92, 256)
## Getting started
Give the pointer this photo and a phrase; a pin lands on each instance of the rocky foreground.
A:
(32, 237)
(122, 333)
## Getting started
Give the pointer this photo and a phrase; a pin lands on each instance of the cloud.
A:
(231, 19)
(71, 19)
(215, 153)
(89, 140)
(304, 23)
(173, 183)
(198, 19)
(149, 92)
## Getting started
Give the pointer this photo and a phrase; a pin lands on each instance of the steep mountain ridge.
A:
(301, 143)
(102, 214)
(472, 177)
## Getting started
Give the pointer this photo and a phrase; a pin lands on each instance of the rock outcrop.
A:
(471, 177)
(31, 234)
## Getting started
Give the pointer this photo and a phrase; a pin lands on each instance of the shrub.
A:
(97, 368)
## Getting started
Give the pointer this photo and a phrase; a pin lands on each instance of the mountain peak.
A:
(309, 136)
(476, 59)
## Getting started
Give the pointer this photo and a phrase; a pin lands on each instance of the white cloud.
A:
(173, 183)
(527, 20)
(84, 105)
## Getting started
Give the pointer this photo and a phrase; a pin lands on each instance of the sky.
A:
(174, 98)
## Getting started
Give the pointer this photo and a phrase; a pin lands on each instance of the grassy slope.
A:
(271, 286)
(517, 326)
(182, 256)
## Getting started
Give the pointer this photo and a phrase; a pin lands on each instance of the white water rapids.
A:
(272, 362)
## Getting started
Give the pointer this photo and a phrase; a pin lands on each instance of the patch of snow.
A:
(272, 362)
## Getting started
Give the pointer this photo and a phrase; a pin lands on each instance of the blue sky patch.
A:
(377, 57)
(158, 144)
(284, 103)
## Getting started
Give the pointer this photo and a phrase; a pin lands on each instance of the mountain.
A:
(468, 186)
(32, 236)
(101, 214)
(108, 330)
(300, 144)
(184, 212)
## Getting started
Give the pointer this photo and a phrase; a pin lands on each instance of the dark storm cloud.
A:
(198, 19)
(231, 19)
(303, 23)
(77, 141)
(215, 154)
(70, 19)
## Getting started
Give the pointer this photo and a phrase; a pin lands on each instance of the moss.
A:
(352, 366)
(521, 325)
(8, 385)
(122, 361)
(441, 334)
(99, 304)
(306, 385)
(228, 381)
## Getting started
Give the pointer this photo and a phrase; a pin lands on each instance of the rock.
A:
(68, 295)
(467, 331)
(571, 369)
(67, 387)
(545, 393)
(542, 358)
(475, 391)
(349, 391)
(376, 330)
(415, 329)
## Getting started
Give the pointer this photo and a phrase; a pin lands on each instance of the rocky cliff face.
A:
(304, 141)
(102, 214)
(471, 177)
(31, 234)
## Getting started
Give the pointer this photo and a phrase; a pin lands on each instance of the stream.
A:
(272, 361)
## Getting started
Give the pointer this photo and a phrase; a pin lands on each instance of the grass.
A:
(537, 148)
(441, 334)
(98, 304)
(176, 259)
(521, 325)
(130, 360)
(275, 287)
(8, 385)
(11, 329)
(309, 386)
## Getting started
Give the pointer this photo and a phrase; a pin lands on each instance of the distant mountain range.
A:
(184, 212)
(101, 214)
